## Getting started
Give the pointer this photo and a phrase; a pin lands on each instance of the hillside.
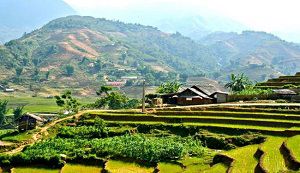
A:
(255, 53)
(85, 52)
(99, 50)
(19, 16)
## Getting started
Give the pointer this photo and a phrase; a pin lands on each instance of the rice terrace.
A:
(252, 137)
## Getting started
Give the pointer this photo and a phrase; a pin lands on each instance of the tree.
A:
(66, 101)
(238, 82)
(169, 87)
(104, 89)
(19, 71)
(18, 112)
(36, 62)
(47, 75)
(69, 70)
(3, 110)
(116, 100)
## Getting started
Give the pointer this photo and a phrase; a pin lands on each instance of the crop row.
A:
(203, 119)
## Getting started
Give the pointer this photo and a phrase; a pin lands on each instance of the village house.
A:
(196, 95)
(28, 122)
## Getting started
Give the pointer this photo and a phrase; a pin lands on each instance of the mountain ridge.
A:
(103, 50)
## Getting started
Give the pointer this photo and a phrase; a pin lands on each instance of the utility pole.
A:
(144, 93)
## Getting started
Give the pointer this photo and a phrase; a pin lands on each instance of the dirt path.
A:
(43, 132)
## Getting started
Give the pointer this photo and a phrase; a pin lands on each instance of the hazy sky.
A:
(281, 17)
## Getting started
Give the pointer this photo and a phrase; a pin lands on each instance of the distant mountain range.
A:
(257, 54)
(197, 27)
(19, 16)
(100, 49)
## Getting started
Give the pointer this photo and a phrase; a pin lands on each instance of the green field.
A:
(117, 166)
(245, 160)
(34, 170)
(293, 144)
(218, 168)
(273, 159)
(38, 104)
(163, 124)
(169, 167)
(72, 168)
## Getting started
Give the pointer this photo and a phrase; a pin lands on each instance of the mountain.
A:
(78, 51)
(197, 27)
(19, 16)
(255, 53)
(99, 49)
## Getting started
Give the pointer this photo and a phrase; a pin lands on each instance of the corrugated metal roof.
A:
(197, 93)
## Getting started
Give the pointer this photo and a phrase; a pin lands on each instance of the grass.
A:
(72, 168)
(245, 162)
(218, 168)
(116, 166)
(18, 137)
(6, 131)
(33, 104)
(194, 164)
(273, 161)
(293, 145)
(169, 167)
(38, 104)
(34, 170)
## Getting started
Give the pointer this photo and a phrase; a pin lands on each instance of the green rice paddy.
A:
(273, 160)
(117, 166)
(245, 162)
(76, 168)
(34, 170)
(293, 144)
(169, 167)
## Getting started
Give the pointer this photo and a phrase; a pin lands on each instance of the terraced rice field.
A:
(273, 159)
(281, 81)
(169, 167)
(271, 120)
(34, 170)
(72, 168)
(293, 144)
(218, 168)
(275, 119)
(116, 166)
(245, 161)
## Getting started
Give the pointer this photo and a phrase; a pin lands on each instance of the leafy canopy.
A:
(169, 87)
(66, 100)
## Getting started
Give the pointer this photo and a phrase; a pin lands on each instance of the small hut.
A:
(28, 122)
(191, 96)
